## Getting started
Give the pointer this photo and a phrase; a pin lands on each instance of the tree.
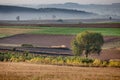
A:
(18, 18)
(87, 42)
(110, 18)
(53, 16)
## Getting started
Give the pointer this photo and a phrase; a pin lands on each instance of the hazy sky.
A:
(58, 1)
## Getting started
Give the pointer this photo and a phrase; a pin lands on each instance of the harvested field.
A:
(14, 31)
(26, 71)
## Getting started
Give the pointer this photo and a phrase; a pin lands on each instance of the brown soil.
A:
(38, 40)
(57, 40)
(13, 31)
(91, 25)
(107, 54)
(46, 40)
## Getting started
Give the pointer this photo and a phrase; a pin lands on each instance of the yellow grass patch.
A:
(13, 31)
(26, 71)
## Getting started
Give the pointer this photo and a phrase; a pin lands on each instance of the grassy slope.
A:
(25, 71)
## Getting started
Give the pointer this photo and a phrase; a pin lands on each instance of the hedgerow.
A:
(56, 60)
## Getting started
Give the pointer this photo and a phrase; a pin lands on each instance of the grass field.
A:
(74, 31)
(7, 31)
(26, 71)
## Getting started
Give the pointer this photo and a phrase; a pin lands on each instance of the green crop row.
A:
(74, 31)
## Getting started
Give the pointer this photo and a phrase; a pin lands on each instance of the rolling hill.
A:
(44, 13)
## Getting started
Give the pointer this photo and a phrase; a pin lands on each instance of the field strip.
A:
(26, 71)
(12, 45)
(13, 31)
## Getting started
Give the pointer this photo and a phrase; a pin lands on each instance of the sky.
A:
(58, 1)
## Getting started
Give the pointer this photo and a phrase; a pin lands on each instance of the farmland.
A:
(55, 36)
(74, 31)
(13, 31)
(27, 71)
(7, 31)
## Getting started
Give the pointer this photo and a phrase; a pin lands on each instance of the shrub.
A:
(60, 60)
(1, 57)
(59, 20)
(37, 60)
(97, 62)
(114, 63)
(5, 56)
(14, 59)
(104, 63)
(47, 60)
(54, 61)
(26, 45)
(74, 60)
(21, 59)
(87, 60)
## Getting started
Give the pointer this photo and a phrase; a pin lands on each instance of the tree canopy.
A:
(87, 42)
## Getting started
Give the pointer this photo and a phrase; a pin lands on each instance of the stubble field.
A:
(26, 71)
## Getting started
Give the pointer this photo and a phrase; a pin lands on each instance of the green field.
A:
(74, 31)
(57, 30)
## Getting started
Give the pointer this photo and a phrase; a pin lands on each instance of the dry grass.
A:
(13, 31)
(26, 71)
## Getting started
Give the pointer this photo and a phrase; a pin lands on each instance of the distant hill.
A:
(60, 11)
(4, 8)
(28, 13)
(101, 9)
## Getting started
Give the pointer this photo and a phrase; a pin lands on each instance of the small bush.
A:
(47, 60)
(59, 20)
(104, 63)
(37, 60)
(87, 60)
(26, 45)
(60, 60)
(54, 61)
(5, 56)
(114, 63)
(1, 57)
(14, 59)
(97, 62)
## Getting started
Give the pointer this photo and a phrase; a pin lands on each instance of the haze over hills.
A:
(60, 11)
(10, 12)
(101, 9)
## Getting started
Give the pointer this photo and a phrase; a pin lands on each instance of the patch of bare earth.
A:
(49, 40)
(26, 71)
